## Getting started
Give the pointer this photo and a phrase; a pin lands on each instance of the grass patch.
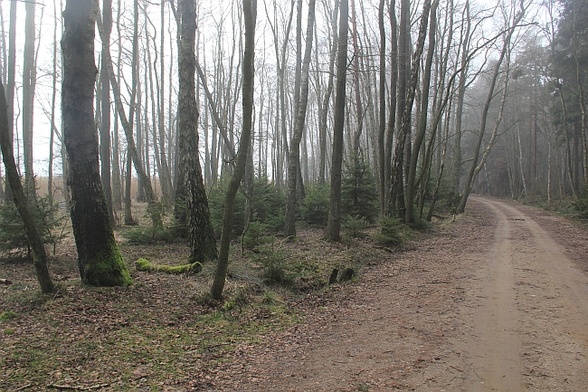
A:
(7, 315)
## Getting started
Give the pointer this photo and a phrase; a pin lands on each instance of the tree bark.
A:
(249, 13)
(99, 258)
(426, 83)
(191, 192)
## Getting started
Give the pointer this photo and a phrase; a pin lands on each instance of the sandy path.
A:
(493, 344)
(530, 329)
(489, 303)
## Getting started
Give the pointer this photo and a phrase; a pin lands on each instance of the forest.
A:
(349, 112)
(226, 129)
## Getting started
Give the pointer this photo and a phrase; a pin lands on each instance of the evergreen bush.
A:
(355, 226)
(267, 205)
(49, 220)
(359, 195)
(390, 232)
(315, 209)
(255, 235)
(581, 206)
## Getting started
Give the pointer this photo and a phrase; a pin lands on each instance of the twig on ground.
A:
(79, 387)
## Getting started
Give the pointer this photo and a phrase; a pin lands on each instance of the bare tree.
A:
(127, 124)
(249, 13)
(480, 157)
(300, 121)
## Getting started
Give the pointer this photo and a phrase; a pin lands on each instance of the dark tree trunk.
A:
(412, 161)
(382, 110)
(394, 76)
(334, 220)
(396, 197)
(191, 194)
(99, 258)
(20, 200)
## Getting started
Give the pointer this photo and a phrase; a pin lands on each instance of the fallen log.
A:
(5, 281)
(145, 265)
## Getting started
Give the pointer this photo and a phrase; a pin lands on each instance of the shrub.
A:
(267, 206)
(47, 216)
(355, 226)
(315, 209)
(390, 232)
(581, 206)
(149, 235)
(358, 192)
(254, 235)
(216, 203)
(274, 266)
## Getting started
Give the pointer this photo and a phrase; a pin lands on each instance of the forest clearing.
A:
(494, 300)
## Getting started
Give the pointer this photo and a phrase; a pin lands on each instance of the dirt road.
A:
(529, 330)
(496, 301)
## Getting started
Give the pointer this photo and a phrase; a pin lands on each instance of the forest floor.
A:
(493, 300)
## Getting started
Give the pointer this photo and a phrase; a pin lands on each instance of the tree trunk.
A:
(117, 191)
(99, 258)
(249, 13)
(461, 90)
(20, 200)
(28, 97)
(357, 88)
(334, 219)
(128, 128)
(382, 110)
(10, 85)
(300, 121)
(191, 193)
(326, 99)
(396, 191)
(52, 119)
(105, 111)
(422, 123)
